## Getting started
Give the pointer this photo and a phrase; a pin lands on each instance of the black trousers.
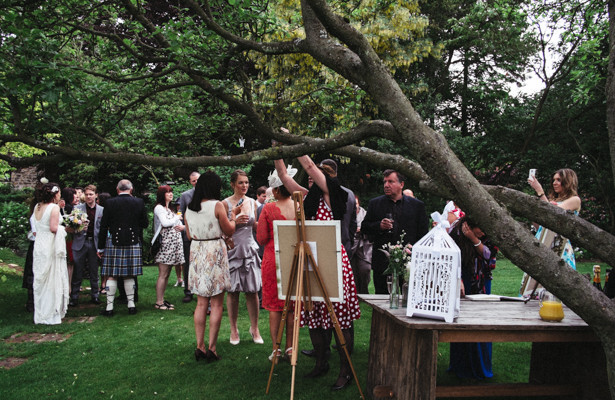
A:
(88, 258)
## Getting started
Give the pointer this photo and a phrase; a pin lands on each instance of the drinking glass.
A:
(389, 216)
(551, 309)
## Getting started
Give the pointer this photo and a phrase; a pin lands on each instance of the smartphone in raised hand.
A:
(532, 174)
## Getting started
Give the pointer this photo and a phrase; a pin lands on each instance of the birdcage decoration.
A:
(435, 274)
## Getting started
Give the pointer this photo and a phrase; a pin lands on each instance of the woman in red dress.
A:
(326, 201)
(281, 209)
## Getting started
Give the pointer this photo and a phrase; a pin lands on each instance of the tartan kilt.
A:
(122, 260)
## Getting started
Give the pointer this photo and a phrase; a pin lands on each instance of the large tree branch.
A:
(575, 228)
(308, 146)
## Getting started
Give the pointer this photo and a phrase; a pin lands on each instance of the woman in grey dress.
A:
(244, 262)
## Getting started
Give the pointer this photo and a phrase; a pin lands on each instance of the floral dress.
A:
(567, 252)
(209, 271)
(172, 246)
(346, 311)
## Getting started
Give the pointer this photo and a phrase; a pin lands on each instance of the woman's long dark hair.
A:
(208, 187)
(68, 195)
(337, 196)
(468, 253)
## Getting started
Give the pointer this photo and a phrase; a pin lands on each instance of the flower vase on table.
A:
(394, 291)
(399, 256)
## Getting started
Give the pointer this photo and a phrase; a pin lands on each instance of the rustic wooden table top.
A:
(483, 315)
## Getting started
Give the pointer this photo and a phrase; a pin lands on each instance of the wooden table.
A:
(567, 358)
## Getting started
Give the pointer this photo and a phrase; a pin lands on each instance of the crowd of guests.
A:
(226, 246)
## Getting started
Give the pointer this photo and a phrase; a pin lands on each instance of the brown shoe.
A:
(187, 298)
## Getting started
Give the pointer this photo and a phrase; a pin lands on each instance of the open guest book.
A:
(492, 297)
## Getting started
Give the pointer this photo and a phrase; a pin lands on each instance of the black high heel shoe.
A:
(211, 356)
(318, 371)
(199, 355)
(342, 382)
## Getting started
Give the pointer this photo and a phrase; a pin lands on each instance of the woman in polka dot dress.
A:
(326, 201)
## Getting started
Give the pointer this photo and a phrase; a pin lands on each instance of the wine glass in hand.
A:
(389, 216)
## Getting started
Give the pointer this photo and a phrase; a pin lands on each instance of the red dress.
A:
(264, 235)
(346, 311)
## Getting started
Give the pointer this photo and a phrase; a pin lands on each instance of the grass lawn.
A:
(150, 355)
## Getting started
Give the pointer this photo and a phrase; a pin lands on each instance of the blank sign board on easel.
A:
(325, 241)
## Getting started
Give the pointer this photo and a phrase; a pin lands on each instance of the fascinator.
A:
(275, 181)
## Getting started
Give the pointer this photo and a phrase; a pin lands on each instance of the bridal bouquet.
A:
(77, 220)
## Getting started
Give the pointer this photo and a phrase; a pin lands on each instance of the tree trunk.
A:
(610, 86)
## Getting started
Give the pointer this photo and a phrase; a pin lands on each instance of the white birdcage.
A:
(435, 274)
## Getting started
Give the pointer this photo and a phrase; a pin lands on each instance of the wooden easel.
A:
(299, 280)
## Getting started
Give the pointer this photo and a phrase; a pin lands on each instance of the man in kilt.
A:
(123, 220)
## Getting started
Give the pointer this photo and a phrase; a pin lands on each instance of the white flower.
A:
(44, 180)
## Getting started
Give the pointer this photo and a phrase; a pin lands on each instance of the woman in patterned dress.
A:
(206, 220)
(169, 226)
(563, 194)
(325, 201)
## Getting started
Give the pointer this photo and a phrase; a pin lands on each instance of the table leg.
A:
(403, 359)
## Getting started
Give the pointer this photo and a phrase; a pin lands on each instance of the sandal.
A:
(163, 307)
(287, 354)
(169, 305)
(273, 354)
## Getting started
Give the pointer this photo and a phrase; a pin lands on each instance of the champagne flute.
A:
(389, 216)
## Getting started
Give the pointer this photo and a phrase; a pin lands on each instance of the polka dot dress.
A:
(346, 311)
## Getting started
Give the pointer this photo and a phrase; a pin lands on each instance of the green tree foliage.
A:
(86, 80)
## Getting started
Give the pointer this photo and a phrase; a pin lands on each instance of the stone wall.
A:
(24, 177)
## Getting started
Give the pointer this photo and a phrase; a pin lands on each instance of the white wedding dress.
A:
(51, 291)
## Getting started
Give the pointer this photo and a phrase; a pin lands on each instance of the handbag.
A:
(155, 248)
(156, 244)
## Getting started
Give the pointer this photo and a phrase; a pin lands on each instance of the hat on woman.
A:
(275, 181)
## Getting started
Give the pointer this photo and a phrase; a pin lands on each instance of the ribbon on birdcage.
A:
(442, 224)
(442, 219)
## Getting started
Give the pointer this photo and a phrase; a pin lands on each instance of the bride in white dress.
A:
(50, 284)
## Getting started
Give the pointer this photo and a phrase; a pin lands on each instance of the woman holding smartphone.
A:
(563, 193)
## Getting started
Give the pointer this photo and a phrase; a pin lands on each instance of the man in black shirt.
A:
(389, 216)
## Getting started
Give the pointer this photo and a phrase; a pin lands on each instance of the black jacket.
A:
(408, 215)
(124, 217)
